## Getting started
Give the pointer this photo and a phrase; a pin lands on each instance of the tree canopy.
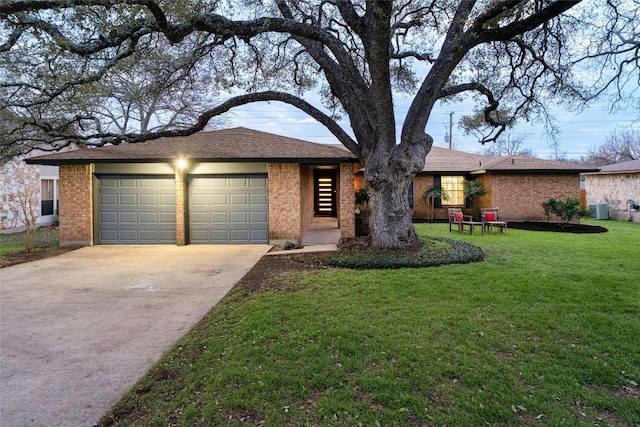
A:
(357, 54)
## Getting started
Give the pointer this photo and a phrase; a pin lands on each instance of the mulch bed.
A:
(555, 227)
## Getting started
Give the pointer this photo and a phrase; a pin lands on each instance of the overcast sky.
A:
(578, 131)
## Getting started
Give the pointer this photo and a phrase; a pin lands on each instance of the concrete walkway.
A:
(78, 330)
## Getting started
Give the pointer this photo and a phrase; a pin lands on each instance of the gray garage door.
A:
(228, 209)
(137, 210)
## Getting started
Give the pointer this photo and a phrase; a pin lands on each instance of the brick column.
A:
(346, 201)
(285, 220)
(181, 206)
(75, 213)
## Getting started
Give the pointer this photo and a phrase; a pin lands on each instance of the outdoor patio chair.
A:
(457, 218)
(491, 218)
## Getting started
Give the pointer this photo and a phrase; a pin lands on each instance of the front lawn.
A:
(545, 331)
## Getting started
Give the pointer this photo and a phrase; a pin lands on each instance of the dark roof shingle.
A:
(226, 145)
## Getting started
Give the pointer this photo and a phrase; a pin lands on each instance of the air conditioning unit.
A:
(599, 211)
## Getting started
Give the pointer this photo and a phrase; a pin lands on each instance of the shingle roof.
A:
(226, 145)
(444, 160)
(630, 166)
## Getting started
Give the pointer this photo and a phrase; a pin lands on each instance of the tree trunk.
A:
(388, 176)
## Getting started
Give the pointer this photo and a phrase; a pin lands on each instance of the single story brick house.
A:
(246, 186)
(226, 186)
(517, 185)
(617, 186)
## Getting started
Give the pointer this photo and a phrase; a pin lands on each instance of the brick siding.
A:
(285, 222)
(75, 195)
(520, 196)
(181, 207)
(346, 201)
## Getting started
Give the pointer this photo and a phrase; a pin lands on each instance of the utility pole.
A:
(450, 130)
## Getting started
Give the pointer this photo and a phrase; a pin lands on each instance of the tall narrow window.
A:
(453, 188)
(46, 197)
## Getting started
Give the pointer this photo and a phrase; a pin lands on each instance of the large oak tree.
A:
(357, 54)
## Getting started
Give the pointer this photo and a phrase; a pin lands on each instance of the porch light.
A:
(181, 163)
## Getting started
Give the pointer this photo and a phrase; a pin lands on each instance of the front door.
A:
(324, 194)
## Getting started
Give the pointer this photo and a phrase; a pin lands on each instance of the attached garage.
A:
(136, 210)
(237, 186)
(228, 209)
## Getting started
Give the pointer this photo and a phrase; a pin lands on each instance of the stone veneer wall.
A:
(18, 177)
(615, 190)
(75, 195)
(285, 222)
(346, 201)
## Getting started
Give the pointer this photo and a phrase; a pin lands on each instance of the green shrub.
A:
(355, 254)
(565, 210)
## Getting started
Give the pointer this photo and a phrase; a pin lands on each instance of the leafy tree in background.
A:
(617, 147)
(356, 54)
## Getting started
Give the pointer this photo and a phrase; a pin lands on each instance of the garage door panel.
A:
(219, 217)
(258, 199)
(232, 214)
(258, 217)
(239, 218)
(239, 200)
(148, 199)
(128, 218)
(128, 200)
(219, 199)
(137, 210)
(108, 199)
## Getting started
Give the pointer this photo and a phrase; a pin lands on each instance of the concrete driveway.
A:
(78, 330)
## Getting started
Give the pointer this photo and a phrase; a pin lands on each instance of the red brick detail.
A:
(285, 221)
(181, 207)
(306, 197)
(346, 201)
(422, 184)
(520, 196)
(75, 213)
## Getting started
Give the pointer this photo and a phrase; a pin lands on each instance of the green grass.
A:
(545, 331)
(46, 237)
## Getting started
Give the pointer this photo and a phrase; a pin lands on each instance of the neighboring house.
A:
(227, 186)
(246, 186)
(30, 187)
(618, 187)
(517, 185)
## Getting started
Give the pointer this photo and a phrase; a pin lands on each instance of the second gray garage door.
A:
(228, 209)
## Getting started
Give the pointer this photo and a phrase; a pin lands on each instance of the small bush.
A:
(356, 254)
(565, 210)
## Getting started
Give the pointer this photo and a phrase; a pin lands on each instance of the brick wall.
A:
(422, 184)
(306, 197)
(181, 206)
(520, 196)
(76, 205)
(346, 201)
(285, 222)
